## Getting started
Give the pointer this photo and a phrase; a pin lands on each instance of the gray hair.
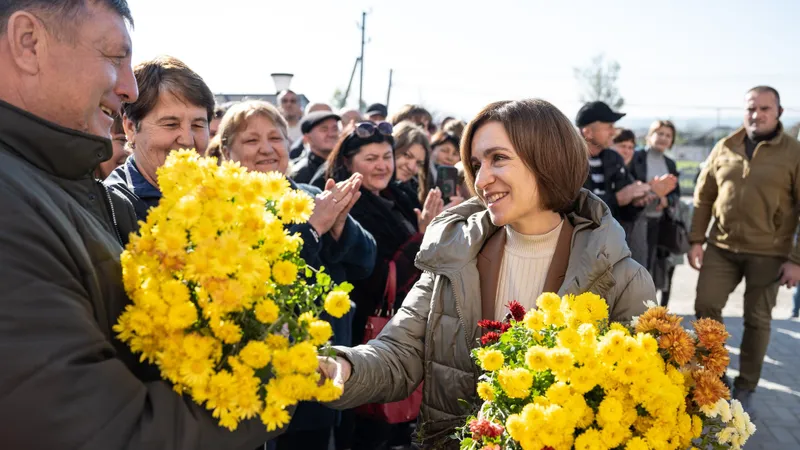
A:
(60, 16)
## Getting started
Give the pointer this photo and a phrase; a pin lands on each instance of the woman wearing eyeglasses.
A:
(388, 212)
(531, 229)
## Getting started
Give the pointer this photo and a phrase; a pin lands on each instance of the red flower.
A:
(490, 338)
(505, 327)
(517, 310)
(490, 324)
(483, 428)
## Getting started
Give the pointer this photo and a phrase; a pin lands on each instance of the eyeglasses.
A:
(289, 100)
(365, 130)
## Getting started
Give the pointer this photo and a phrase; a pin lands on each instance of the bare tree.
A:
(598, 81)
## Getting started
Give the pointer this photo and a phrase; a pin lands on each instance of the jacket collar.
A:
(490, 260)
(57, 150)
(736, 139)
(456, 237)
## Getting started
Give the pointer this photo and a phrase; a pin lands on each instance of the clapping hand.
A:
(330, 203)
(434, 205)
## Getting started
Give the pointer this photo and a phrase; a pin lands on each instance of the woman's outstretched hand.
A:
(337, 369)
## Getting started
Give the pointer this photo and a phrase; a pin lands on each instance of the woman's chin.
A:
(497, 219)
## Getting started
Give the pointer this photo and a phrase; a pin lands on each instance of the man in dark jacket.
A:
(320, 134)
(66, 382)
(608, 178)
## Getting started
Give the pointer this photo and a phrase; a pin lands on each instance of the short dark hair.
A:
(544, 140)
(166, 73)
(60, 15)
(762, 89)
(624, 135)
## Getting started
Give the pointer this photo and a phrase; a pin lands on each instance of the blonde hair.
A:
(235, 119)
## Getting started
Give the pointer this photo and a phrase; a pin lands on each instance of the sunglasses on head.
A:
(366, 130)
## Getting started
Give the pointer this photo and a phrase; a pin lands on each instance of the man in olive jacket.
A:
(65, 381)
(748, 192)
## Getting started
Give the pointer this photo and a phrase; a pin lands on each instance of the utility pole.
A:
(389, 90)
(361, 59)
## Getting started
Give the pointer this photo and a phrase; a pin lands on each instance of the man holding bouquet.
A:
(65, 69)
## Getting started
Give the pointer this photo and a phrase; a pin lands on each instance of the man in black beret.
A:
(320, 134)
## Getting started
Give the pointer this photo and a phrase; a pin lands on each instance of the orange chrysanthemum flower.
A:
(716, 361)
(679, 345)
(711, 333)
(708, 388)
(658, 319)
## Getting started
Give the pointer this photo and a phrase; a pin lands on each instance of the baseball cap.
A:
(596, 112)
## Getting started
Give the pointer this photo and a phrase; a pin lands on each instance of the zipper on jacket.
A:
(458, 311)
(111, 211)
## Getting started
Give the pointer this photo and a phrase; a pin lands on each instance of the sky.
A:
(679, 58)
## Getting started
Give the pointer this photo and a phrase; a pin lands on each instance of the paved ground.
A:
(777, 399)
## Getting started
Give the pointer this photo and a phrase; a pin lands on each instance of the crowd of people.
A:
(452, 219)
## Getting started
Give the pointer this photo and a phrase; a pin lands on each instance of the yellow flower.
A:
(516, 427)
(560, 360)
(515, 382)
(614, 435)
(337, 303)
(485, 391)
(636, 443)
(304, 357)
(609, 412)
(328, 392)
(490, 359)
(255, 354)
(598, 308)
(536, 358)
(320, 332)
(295, 207)
(277, 342)
(275, 185)
(548, 301)
(589, 440)
(616, 326)
(558, 393)
(226, 330)
(182, 315)
(568, 338)
(534, 320)
(282, 362)
(266, 311)
(697, 426)
(583, 380)
(196, 372)
(284, 272)
(274, 417)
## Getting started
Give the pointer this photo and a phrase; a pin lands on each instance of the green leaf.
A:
(344, 287)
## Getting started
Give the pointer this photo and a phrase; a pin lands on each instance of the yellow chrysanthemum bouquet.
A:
(222, 302)
(562, 377)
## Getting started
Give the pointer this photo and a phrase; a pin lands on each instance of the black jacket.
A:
(66, 380)
(305, 167)
(616, 177)
(638, 169)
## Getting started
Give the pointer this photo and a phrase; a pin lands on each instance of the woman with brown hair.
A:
(531, 229)
(412, 156)
(660, 171)
(391, 213)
